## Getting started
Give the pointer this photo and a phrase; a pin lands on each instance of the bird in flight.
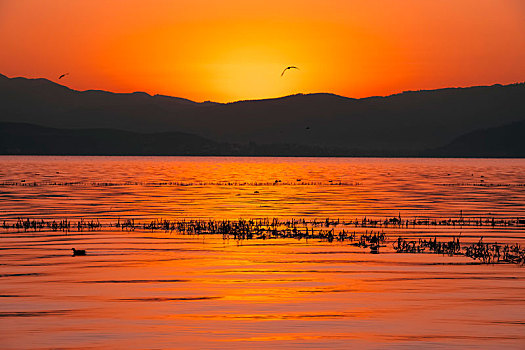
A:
(290, 67)
(63, 75)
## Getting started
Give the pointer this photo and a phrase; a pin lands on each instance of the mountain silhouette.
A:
(27, 139)
(506, 141)
(405, 123)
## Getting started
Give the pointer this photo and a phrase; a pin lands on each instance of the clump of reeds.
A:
(487, 253)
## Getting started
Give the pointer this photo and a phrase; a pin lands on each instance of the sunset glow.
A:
(232, 50)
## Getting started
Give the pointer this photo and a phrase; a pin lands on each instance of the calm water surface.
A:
(158, 290)
(373, 186)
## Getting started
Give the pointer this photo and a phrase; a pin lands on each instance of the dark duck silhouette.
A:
(78, 252)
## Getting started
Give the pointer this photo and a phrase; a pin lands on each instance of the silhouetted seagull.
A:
(63, 75)
(290, 67)
(78, 252)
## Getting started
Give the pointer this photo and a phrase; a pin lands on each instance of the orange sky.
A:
(225, 50)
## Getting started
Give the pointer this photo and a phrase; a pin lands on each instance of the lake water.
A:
(153, 289)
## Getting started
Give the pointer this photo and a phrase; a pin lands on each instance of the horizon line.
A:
(269, 98)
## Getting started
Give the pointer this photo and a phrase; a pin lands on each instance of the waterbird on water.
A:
(289, 67)
(78, 252)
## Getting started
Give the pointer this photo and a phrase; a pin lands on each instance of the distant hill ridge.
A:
(27, 139)
(506, 141)
(405, 123)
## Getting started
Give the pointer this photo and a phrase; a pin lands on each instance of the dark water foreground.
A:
(146, 287)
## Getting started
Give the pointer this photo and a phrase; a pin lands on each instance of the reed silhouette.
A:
(328, 230)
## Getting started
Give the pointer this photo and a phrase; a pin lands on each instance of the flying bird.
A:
(290, 67)
(63, 75)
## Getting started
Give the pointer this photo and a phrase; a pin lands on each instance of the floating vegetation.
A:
(202, 226)
(298, 182)
(481, 184)
(487, 253)
(328, 230)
